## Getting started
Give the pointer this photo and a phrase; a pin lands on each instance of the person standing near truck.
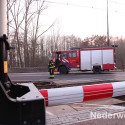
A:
(51, 67)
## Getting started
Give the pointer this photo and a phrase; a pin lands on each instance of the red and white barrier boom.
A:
(19, 104)
(59, 96)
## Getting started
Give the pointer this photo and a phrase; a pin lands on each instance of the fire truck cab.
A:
(87, 59)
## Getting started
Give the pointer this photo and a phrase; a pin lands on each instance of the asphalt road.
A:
(76, 76)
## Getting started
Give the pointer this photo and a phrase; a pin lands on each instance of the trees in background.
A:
(120, 53)
(25, 30)
(33, 47)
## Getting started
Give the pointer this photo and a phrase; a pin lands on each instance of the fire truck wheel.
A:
(97, 69)
(63, 70)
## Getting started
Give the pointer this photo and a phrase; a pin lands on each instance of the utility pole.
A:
(108, 40)
(3, 41)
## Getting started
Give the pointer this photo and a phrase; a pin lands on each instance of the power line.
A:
(84, 6)
(117, 2)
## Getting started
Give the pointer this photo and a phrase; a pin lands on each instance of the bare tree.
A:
(120, 56)
(36, 33)
(25, 27)
(15, 10)
(95, 40)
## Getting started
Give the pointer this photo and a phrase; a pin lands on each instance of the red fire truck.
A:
(88, 59)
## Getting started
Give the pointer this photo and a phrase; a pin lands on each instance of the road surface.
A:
(78, 76)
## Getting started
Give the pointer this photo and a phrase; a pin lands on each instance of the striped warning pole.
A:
(59, 96)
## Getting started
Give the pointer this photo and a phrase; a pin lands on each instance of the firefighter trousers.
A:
(51, 70)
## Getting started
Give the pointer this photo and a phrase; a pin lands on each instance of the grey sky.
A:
(84, 18)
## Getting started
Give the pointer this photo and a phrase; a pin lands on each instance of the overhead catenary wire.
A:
(85, 6)
(116, 2)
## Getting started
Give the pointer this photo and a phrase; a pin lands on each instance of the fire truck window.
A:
(65, 55)
(72, 54)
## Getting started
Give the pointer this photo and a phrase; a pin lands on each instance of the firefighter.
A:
(51, 67)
